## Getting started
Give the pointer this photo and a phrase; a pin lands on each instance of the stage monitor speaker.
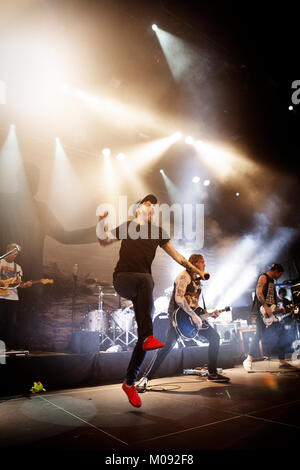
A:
(160, 326)
(85, 342)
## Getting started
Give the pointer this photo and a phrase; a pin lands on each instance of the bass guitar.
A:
(12, 284)
(276, 315)
(185, 326)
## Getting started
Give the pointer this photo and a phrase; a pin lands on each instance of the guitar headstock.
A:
(47, 281)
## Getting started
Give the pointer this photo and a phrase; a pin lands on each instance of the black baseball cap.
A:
(149, 197)
(277, 267)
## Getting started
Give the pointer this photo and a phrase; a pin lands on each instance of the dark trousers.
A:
(275, 337)
(137, 287)
(172, 336)
(8, 322)
(260, 329)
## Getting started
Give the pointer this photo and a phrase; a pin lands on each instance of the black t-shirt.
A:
(138, 247)
(269, 294)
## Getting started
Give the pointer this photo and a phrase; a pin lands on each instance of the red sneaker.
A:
(132, 395)
(152, 343)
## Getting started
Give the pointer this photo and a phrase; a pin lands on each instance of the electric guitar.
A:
(12, 283)
(185, 326)
(276, 314)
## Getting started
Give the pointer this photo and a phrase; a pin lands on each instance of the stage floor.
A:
(183, 413)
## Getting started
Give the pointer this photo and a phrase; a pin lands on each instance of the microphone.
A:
(204, 276)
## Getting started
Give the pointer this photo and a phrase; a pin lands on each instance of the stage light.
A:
(80, 94)
(237, 194)
(106, 152)
(291, 108)
(224, 162)
(120, 113)
(120, 156)
(142, 155)
(10, 160)
(2, 92)
(161, 171)
(196, 179)
(154, 27)
(63, 88)
(176, 136)
(206, 182)
(60, 153)
(175, 195)
(189, 140)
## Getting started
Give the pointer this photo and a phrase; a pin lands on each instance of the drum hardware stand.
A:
(103, 336)
(127, 332)
(127, 342)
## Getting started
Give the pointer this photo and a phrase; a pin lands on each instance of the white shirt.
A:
(8, 270)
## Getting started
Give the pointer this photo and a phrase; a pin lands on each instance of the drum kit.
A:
(116, 327)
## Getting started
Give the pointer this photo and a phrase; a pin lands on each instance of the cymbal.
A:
(96, 282)
(126, 303)
(105, 283)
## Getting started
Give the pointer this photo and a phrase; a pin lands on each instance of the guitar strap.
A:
(204, 306)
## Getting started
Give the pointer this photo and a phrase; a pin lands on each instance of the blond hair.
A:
(10, 246)
(195, 258)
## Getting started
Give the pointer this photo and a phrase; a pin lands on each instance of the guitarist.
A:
(9, 269)
(265, 296)
(186, 293)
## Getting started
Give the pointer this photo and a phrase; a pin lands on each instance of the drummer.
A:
(133, 280)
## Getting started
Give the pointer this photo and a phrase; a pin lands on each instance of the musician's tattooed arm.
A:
(259, 292)
(179, 258)
(260, 289)
(181, 285)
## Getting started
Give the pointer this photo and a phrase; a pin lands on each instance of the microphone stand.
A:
(11, 251)
(75, 277)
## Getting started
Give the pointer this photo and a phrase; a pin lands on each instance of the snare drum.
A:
(104, 321)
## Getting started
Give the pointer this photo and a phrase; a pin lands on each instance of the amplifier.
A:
(227, 331)
(295, 290)
(246, 337)
(85, 342)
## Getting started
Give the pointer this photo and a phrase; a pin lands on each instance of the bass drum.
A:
(160, 326)
(97, 320)
(124, 319)
(91, 321)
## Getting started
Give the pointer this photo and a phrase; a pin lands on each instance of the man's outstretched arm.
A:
(180, 259)
(54, 229)
(104, 236)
